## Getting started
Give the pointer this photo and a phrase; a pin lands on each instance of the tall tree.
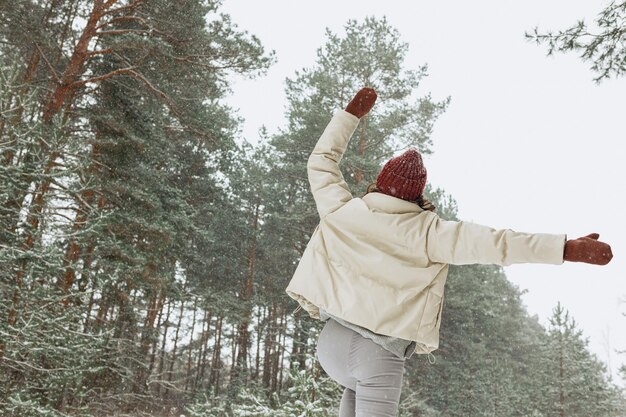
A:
(575, 380)
(369, 53)
(115, 136)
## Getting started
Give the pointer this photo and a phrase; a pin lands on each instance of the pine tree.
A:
(574, 379)
(370, 53)
(111, 176)
(307, 395)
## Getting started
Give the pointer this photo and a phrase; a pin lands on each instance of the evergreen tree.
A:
(370, 53)
(147, 253)
(575, 380)
(111, 176)
(308, 395)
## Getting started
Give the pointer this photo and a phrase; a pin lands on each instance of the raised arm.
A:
(329, 189)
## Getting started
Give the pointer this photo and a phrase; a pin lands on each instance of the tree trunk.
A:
(174, 349)
(103, 308)
(258, 345)
(268, 360)
(297, 344)
(29, 72)
(155, 340)
(241, 363)
(85, 205)
(88, 313)
(561, 382)
(277, 350)
(27, 77)
(193, 326)
(84, 276)
(358, 175)
(73, 249)
(154, 306)
(281, 345)
(162, 355)
(63, 90)
(214, 379)
(202, 363)
(233, 353)
(303, 343)
(147, 334)
(75, 66)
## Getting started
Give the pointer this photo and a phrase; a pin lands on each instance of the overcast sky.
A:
(528, 142)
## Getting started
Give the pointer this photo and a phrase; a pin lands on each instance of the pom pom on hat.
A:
(403, 176)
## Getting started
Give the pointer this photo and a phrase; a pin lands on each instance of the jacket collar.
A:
(388, 204)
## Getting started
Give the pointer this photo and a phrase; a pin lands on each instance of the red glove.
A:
(588, 249)
(362, 102)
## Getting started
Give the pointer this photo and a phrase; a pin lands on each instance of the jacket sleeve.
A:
(462, 243)
(329, 189)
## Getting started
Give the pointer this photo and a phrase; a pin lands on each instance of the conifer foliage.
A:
(113, 136)
(601, 43)
(144, 251)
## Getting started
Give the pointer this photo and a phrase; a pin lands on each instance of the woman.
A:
(375, 267)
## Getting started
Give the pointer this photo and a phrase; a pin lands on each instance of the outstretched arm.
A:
(461, 243)
(329, 189)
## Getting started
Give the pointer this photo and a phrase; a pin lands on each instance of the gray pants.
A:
(372, 376)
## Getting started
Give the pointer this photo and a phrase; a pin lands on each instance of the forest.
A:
(145, 248)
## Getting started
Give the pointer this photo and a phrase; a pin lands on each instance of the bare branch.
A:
(123, 19)
(100, 52)
(203, 65)
(131, 6)
(52, 70)
(120, 31)
(109, 3)
(151, 87)
(103, 77)
(73, 194)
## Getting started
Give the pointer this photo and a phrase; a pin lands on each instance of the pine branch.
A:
(120, 32)
(123, 19)
(50, 67)
(100, 52)
(128, 7)
(103, 77)
(109, 3)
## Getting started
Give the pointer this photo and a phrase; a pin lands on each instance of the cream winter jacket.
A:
(381, 262)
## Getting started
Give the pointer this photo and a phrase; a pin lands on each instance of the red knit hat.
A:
(403, 176)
